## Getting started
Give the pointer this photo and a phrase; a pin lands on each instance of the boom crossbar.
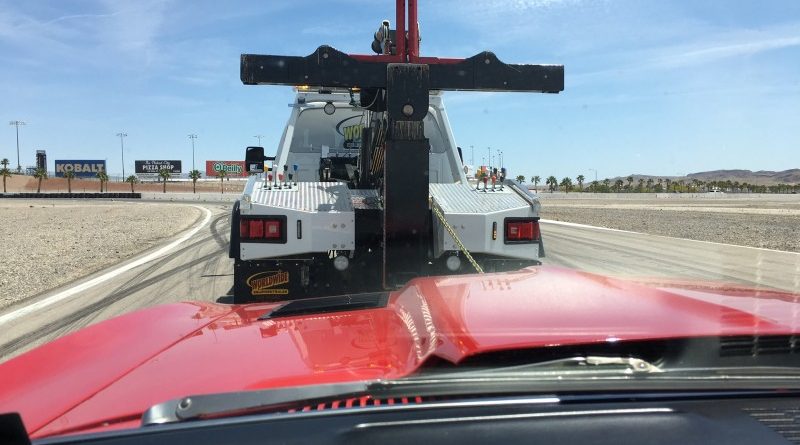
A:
(332, 68)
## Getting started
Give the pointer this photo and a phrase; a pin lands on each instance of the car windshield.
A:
(554, 189)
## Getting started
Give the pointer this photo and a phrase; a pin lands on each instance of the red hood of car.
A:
(107, 375)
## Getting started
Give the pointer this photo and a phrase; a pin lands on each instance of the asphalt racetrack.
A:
(198, 268)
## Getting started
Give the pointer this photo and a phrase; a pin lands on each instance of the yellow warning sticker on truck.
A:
(264, 283)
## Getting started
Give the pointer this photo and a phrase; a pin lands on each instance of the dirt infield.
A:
(49, 243)
(765, 222)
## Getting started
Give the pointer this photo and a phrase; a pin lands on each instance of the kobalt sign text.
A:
(80, 168)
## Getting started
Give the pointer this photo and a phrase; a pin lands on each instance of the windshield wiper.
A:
(238, 403)
(541, 382)
(631, 365)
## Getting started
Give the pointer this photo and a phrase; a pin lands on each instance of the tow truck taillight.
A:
(265, 230)
(521, 231)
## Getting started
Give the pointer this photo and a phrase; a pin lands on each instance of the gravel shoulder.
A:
(770, 225)
(49, 243)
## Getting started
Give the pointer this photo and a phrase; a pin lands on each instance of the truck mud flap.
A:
(265, 281)
(233, 245)
(293, 279)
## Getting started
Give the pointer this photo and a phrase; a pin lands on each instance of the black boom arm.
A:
(330, 67)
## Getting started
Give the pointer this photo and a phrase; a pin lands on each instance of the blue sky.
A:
(652, 87)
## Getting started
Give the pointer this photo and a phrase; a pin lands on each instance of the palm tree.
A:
(567, 184)
(132, 179)
(164, 174)
(4, 172)
(520, 179)
(606, 184)
(536, 180)
(194, 175)
(640, 185)
(580, 180)
(594, 186)
(668, 181)
(660, 187)
(222, 174)
(618, 185)
(630, 181)
(552, 183)
(40, 174)
(103, 177)
(649, 184)
(69, 174)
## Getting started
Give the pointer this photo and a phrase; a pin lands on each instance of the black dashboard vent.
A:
(784, 421)
(754, 346)
(324, 305)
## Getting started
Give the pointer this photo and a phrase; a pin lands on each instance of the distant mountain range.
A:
(761, 177)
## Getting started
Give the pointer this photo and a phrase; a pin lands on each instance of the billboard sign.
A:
(80, 168)
(152, 167)
(232, 168)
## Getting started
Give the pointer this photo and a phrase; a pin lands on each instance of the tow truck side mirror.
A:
(254, 160)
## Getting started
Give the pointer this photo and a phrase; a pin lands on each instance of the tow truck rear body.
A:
(326, 232)
(367, 188)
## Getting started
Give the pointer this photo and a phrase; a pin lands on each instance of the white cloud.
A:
(78, 16)
(746, 43)
(102, 33)
(135, 29)
(702, 48)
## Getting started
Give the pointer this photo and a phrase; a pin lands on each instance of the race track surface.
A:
(629, 254)
(199, 269)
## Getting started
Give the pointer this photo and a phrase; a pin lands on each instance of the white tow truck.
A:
(367, 188)
(303, 227)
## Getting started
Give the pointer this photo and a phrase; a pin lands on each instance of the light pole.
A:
(500, 160)
(193, 137)
(17, 124)
(489, 158)
(259, 136)
(122, 135)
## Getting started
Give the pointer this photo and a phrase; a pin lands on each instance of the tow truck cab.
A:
(305, 228)
(312, 134)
